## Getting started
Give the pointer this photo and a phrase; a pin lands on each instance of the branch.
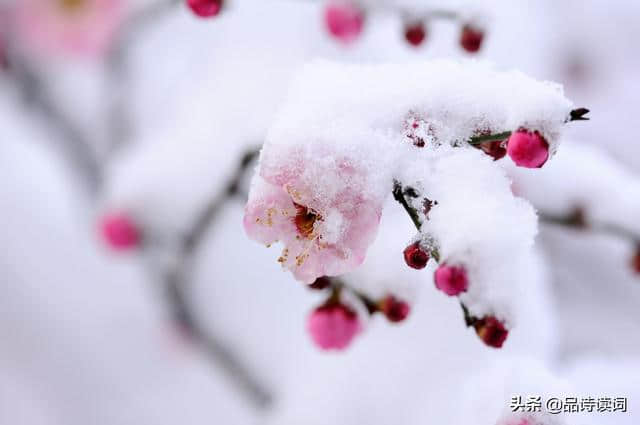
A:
(72, 143)
(577, 220)
(118, 72)
(178, 279)
(574, 115)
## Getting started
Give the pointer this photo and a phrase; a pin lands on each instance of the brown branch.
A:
(578, 221)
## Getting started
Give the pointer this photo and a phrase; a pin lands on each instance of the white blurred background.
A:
(86, 334)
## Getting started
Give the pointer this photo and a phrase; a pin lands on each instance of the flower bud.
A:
(394, 309)
(471, 38)
(205, 8)
(120, 232)
(452, 280)
(528, 149)
(491, 331)
(415, 33)
(415, 256)
(333, 326)
(344, 20)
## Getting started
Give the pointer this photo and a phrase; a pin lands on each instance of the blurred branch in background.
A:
(178, 279)
(77, 149)
(72, 143)
(118, 70)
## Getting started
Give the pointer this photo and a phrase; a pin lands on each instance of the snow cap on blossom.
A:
(344, 20)
(322, 235)
(80, 27)
(477, 223)
(333, 326)
(120, 231)
(341, 138)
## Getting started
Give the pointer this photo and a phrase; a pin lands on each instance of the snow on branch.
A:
(350, 135)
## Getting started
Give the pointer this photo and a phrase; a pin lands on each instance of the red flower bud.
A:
(415, 33)
(471, 38)
(415, 256)
(491, 331)
(394, 309)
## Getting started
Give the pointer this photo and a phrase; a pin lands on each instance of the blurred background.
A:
(140, 112)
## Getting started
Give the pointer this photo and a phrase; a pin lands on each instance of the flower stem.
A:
(489, 138)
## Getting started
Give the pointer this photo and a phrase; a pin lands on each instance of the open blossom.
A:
(322, 235)
(82, 27)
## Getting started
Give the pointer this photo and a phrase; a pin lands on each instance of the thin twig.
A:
(72, 143)
(576, 220)
(118, 70)
(178, 281)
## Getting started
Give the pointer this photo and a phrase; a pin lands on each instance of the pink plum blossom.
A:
(324, 234)
(344, 20)
(120, 232)
(79, 27)
(528, 149)
(333, 326)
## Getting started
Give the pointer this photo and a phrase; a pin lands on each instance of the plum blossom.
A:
(322, 235)
(79, 27)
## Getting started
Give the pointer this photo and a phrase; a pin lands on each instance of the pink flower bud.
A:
(205, 8)
(120, 232)
(491, 331)
(333, 326)
(394, 309)
(415, 256)
(415, 33)
(528, 149)
(344, 21)
(471, 38)
(452, 280)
